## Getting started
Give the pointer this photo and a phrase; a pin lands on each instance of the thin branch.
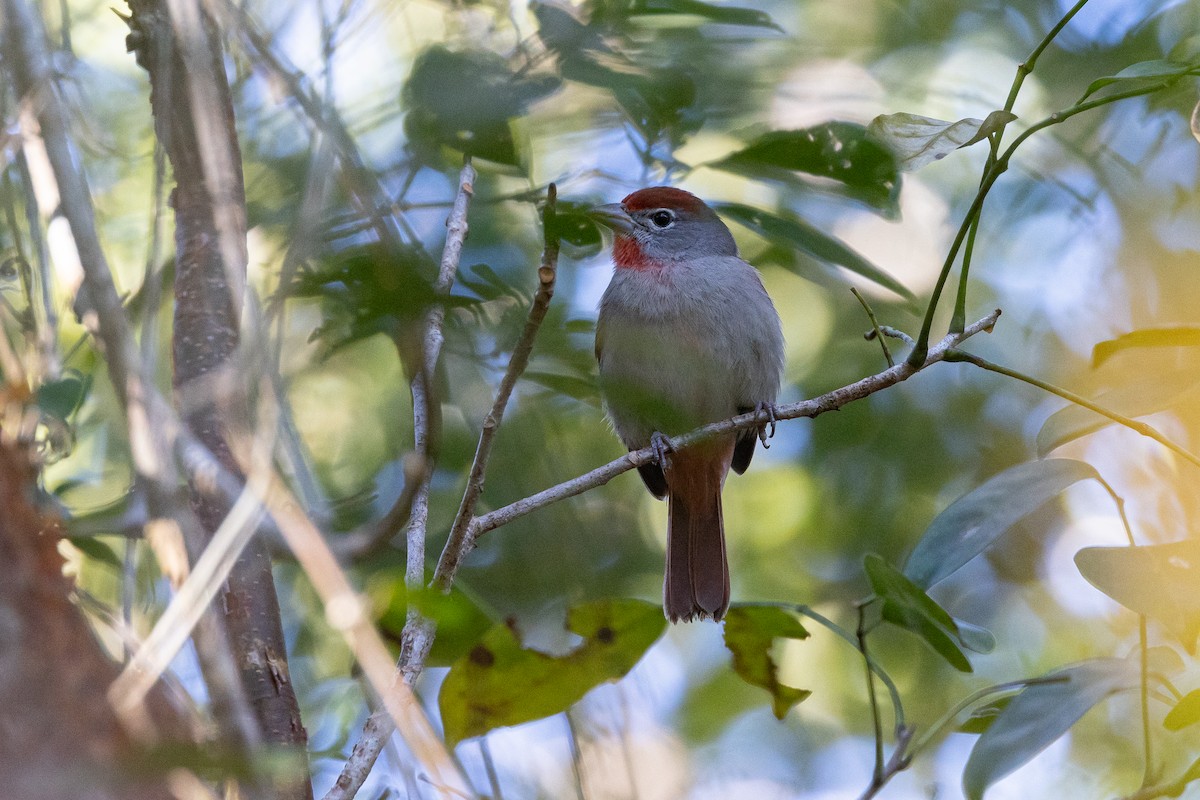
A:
(991, 174)
(875, 332)
(417, 636)
(362, 183)
(459, 542)
(830, 401)
(958, 319)
(860, 632)
(1139, 427)
(1148, 772)
(347, 612)
(100, 306)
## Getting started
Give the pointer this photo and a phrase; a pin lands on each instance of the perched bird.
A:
(686, 335)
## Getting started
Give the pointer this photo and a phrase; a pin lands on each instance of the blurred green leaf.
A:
(63, 397)
(561, 30)
(1039, 715)
(840, 151)
(982, 717)
(1161, 581)
(917, 141)
(96, 550)
(974, 521)
(1145, 70)
(460, 621)
(974, 638)
(795, 233)
(579, 388)
(500, 683)
(750, 631)
(726, 15)
(1143, 397)
(907, 606)
(1182, 336)
(466, 100)
(576, 228)
(1186, 712)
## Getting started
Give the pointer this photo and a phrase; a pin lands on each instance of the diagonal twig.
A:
(413, 506)
(458, 541)
(830, 401)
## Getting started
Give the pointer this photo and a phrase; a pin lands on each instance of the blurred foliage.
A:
(1089, 242)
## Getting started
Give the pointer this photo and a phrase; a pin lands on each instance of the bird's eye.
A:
(662, 218)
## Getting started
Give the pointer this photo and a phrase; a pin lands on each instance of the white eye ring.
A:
(662, 219)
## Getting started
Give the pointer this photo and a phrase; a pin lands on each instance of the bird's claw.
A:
(662, 449)
(769, 409)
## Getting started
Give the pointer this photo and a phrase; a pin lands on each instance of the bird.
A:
(686, 335)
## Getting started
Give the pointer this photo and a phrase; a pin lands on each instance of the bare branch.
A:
(830, 401)
(100, 307)
(458, 542)
(347, 612)
(417, 636)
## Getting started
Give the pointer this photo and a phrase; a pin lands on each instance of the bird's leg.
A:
(769, 408)
(662, 448)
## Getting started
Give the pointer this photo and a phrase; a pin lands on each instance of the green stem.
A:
(887, 354)
(962, 705)
(861, 635)
(1120, 419)
(884, 678)
(959, 320)
(921, 349)
(827, 623)
(1143, 644)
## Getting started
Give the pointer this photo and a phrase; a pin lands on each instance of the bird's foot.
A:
(769, 409)
(662, 449)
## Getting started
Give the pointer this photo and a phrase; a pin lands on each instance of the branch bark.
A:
(830, 401)
(178, 45)
(99, 306)
(417, 636)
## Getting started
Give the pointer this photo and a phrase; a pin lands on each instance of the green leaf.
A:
(982, 717)
(1137, 400)
(974, 521)
(580, 388)
(975, 638)
(1039, 715)
(794, 232)
(726, 15)
(840, 151)
(1139, 72)
(1182, 336)
(907, 606)
(1186, 712)
(63, 397)
(575, 227)
(96, 550)
(917, 141)
(750, 632)
(460, 620)
(1161, 581)
(499, 682)
(465, 100)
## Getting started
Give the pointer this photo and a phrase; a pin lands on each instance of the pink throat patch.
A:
(627, 254)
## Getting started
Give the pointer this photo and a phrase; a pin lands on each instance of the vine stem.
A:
(991, 174)
(1139, 427)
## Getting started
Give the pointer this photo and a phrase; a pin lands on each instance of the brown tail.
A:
(697, 580)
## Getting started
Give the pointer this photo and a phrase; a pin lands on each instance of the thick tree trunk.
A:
(59, 736)
(208, 282)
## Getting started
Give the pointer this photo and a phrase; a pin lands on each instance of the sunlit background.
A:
(1093, 232)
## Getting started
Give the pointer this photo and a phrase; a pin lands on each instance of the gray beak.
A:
(612, 215)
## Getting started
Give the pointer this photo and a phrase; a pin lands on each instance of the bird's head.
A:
(661, 224)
